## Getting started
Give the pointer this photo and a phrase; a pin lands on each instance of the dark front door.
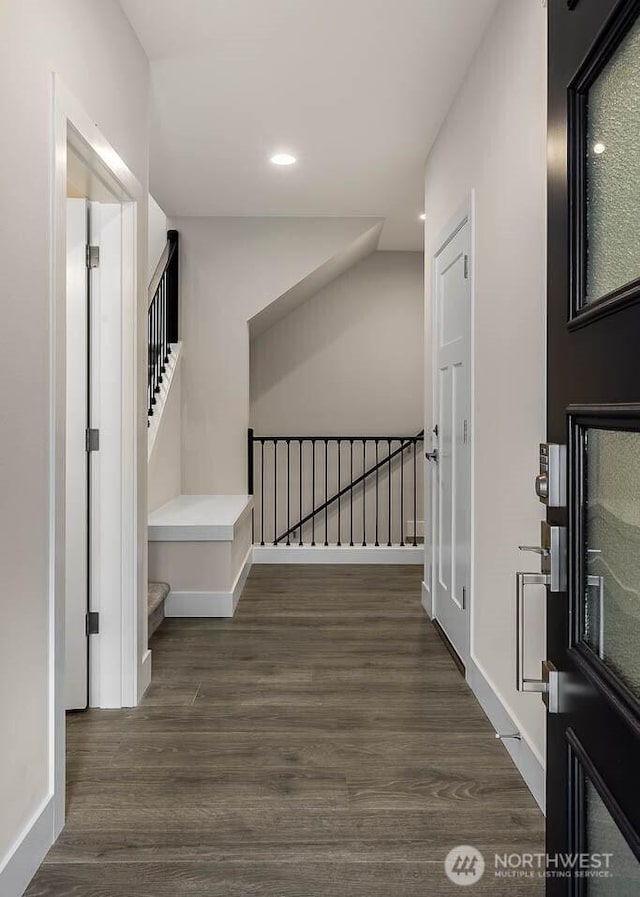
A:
(593, 750)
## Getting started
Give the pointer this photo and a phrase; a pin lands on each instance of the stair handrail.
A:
(170, 248)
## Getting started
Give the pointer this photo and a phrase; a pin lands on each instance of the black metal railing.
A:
(335, 490)
(162, 317)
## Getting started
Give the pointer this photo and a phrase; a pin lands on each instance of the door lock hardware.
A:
(551, 690)
(432, 456)
(549, 683)
(522, 581)
(537, 549)
(553, 555)
(551, 482)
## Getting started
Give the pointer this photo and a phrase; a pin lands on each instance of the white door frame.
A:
(465, 214)
(123, 650)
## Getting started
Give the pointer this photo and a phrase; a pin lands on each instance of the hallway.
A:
(320, 744)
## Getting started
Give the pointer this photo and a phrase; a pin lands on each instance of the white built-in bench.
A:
(201, 545)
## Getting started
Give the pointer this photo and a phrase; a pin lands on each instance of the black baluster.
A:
(402, 444)
(313, 492)
(262, 491)
(275, 491)
(161, 338)
(150, 409)
(164, 326)
(154, 317)
(159, 341)
(301, 482)
(155, 346)
(151, 384)
(389, 468)
(377, 500)
(250, 478)
(288, 491)
(166, 320)
(415, 492)
(351, 495)
(326, 492)
(339, 444)
(164, 329)
(364, 493)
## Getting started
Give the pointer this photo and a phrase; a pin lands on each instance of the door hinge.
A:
(465, 432)
(93, 623)
(464, 597)
(93, 256)
(466, 267)
(92, 439)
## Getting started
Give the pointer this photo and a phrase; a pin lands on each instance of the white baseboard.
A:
(24, 858)
(427, 602)
(199, 604)
(332, 554)
(242, 577)
(528, 764)
(209, 604)
(145, 675)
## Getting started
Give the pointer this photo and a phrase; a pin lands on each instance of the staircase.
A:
(162, 319)
(342, 491)
(156, 597)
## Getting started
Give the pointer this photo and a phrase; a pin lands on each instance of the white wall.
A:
(350, 359)
(494, 142)
(91, 46)
(231, 269)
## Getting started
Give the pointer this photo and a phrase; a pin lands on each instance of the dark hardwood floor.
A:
(320, 744)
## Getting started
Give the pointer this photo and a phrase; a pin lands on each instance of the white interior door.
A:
(451, 466)
(77, 482)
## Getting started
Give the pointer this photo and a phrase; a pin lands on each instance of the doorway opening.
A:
(99, 656)
(448, 556)
(93, 322)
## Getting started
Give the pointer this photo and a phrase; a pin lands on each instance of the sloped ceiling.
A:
(316, 280)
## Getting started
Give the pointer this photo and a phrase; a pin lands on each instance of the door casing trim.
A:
(464, 215)
(69, 119)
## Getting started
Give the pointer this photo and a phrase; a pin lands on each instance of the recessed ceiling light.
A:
(283, 159)
(598, 148)
(423, 216)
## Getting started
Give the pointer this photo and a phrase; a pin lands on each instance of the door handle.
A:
(432, 456)
(522, 581)
(536, 549)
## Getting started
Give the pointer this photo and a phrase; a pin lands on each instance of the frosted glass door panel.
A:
(620, 873)
(613, 171)
(611, 624)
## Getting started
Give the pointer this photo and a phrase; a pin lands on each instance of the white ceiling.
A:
(357, 89)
